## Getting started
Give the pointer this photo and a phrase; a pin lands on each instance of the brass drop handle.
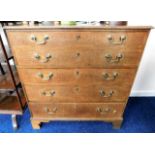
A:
(48, 93)
(42, 76)
(50, 111)
(106, 110)
(44, 60)
(107, 77)
(103, 93)
(103, 111)
(43, 41)
(117, 59)
(120, 41)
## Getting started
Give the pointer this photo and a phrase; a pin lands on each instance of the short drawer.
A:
(73, 76)
(45, 39)
(74, 93)
(75, 110)
(133, 40)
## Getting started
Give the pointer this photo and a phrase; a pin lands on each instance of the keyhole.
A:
(77, 89)
(78, 37)
(77, 73)
(77, 54)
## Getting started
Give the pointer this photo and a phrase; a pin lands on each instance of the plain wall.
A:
(144, 84)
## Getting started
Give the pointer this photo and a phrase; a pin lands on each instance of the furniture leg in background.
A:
(12, 100)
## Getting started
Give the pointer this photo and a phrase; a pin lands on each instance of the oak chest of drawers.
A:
(77, 73)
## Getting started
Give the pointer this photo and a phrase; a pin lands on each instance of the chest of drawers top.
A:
(78, 27)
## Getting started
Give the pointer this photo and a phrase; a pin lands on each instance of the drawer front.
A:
(74, 93)
(77, 58)
(75, 110)
(133, 40)
(46, 39)
(81, 76)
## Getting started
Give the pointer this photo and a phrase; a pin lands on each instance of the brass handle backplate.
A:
(48, 93)
(43, 77)
(120, 41)
(44, 59)
(117, 59)
(50, 111)
(107, 77)
(104, 111)
(103, 93)
(41, 42)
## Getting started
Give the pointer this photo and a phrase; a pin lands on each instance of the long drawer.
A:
(75, 110)
(81, 76)
(77, 93)
(76, 58)
(133, 40)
